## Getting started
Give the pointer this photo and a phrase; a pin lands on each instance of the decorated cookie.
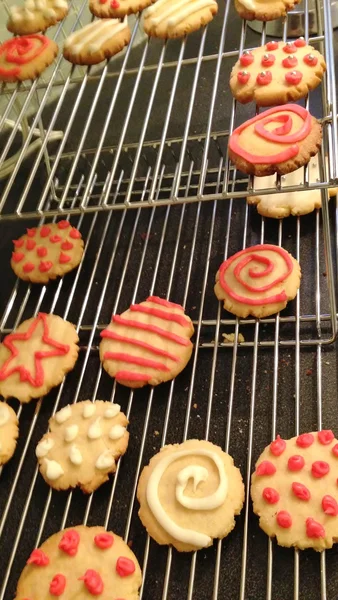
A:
(295, 493)
(9, 431)
(282, 204)
(258, 281)
(189, 495)
(36, 15)
(117, 9)
(264, 10)
(277, 73)
(148, 344)
(36, 357)
(81, 562)
(46, 252)
(177, 18)
(26, 57)
(82, 445)
(97, 41)
(279, 140)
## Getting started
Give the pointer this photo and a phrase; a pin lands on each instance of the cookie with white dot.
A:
(9, 431)
(264, 10)
(177, 18)
(117, 9)
(46, 252)
(36, 15)
(83, 444)
(81, 562)
(276, 73)
(294, 490)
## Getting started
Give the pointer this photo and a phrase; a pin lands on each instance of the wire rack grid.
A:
(172, 249)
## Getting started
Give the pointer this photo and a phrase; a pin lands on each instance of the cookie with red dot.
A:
(117, 9)
(294, 490)
(46, 252)
(277, 73)
(81, 562)
(264, 10)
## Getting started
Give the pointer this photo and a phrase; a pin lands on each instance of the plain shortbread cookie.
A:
(9, 431)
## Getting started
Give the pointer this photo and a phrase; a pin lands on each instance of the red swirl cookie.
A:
(294, 490)
(81, 562)
(264, 10)
(26, 57)
(278, 140)
(258, 281)
(277, 73)
(46, 252)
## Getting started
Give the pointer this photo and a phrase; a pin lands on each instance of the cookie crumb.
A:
(229, 338)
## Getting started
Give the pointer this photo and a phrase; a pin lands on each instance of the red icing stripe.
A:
(153, 328)
(131, 376)
(121, 338)
(162, 302)
(160, 314)
(135, 360)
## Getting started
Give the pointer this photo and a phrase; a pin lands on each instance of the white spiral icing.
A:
(88, 410)
(198, 474)
(71, 433)
(54, 469)
(117, 432)
(4, 414)
(174, 11)
(63, 414)
(112, 411)
(75, 455)
(95, 431)
(105, 460)
(43, 447)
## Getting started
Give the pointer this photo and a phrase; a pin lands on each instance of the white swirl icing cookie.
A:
(9, 432)
(36, 15)
(176, 18)
(189, 494)
(264, 10)
(82, 446)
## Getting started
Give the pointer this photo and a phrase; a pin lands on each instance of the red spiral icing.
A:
(305, 440)
(104, 540)
(38, 558)
(57, 585)
(69, 542)
(330, 506)
(270, 495)
(284, 519)
(125, 566)
(20, 51)
(278, 446)
(301, 491)
(326, 436)
(266, 468)
(93, 582)
(314, 529)
(296, 463)
(320, 468)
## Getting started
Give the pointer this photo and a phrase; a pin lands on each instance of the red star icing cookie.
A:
(81, 562)
(46, 252)
(264, 10)
(36, 15)
(278, 140)
(148, 344)
(9, 432)
(258, 281)
(26, 57)
(117, 8)
(277, 73)
(295, 493)
(36, 357)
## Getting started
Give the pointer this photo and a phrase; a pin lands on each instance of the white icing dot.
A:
(88, 410)
(75, 455)
(116, 432)
(112, 411)
(54, 469)
(43, 447)
(63, 414)
(105, 460)
(94, 431)
(71, 433)
(4, 414)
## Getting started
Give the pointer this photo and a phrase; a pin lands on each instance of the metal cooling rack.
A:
(269, 376)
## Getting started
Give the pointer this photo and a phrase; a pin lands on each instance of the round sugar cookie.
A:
(264, 10)
(177, 18)
(258, 281)
(47, 252)
(294, 490)
(117, 9)
(9, 431)
(36, 15)
(81, 562)
(189, 495)
(148, 344)
(97, 41)
(26, 57)
(82, 446)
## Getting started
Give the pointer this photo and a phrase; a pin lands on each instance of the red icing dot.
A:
(290, 48)
(69, 542)
(30, 244)
(45, 265)
(64, 258)
(75, 234)
(293, 77)
(330, 506)
(296, 463)
(104, 540)
(67, 245)
(28, 267)
(265, 468)
(335, 450)
(63, 224)
(93, 582)
(41, 251)
(314, 529)
(55, 238)
(300, 43)
(272, 46)
(310, 59)
(17, 256)
(18, 243)
(268, 60)
(31, 232)
(115, 4)
(305, 440)
(125, 566)
(278, 446)
(38, 558)
(243, 77)
(325, 436)
(284, 519)
(320, 468)
(264, 78)
(290, 62)
(270, 495)
(44, 231)
(246, 59)
(57, 585)
(301, 491)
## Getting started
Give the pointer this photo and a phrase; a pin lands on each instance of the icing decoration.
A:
(71, 433)
(325, 436)
(88, 410)
(38, 558)
(63, 224)
(96, 34)
(160, 314)
(279, 135)
(293, 77)
(330, 506)
(198, 474)
(270, 495)
(55, 238)
(104, 540)
(105, 460)
(314, 529)
(301, 491)
(310, 59)
(290, 48)
(251, 255)
(284, 519)
(20, 51)
(30, 232)
(117, 432)
(296, 463)
(30, 244)
(69, 542)
(93, 582)
(175, 13)
(57, 585)
(41, 251)
(45, 266)
(320, 468)
(75, 455)
(268, 60)
(122, 338)
(125, 566)
(4, 414)
(135, 360)
(163, 302)
(300, 43)
(112, 411)
(305, 440)
(152, 328)
(64, 414)
(264, 78)
(272, 46)
(43, 447)
(45, 231)
(36, 379)
(67, 245)
(54, 469)
(247, 58)
(335, 449)
(132, 376)
(75, 234)
(17, 256)
(266, 468)
(115, 4)
(64, 258)
(18, 243)
(278, 446)
(243, 77)
(95, 431)
(28, 267)
(290, 62)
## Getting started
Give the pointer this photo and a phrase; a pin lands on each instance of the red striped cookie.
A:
(148, 344)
